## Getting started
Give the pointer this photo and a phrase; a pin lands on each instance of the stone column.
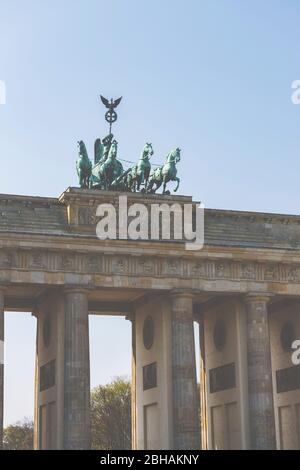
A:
(1, 364)
(133, 386)
(203, 385)
(261, 406)
(185, 400)
(36, 388)
(131, 318)
(77, 371)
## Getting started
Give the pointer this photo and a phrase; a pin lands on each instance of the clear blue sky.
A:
(213, 77)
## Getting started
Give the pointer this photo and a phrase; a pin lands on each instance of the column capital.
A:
(253, 297)
(74, 289)
(174, 293)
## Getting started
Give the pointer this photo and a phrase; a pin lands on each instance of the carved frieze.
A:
(146, 267)
(94, 264)
(119, 265)
(248, 271)
(133, 265)
(7, 259)
(37, 260)
(198, 269)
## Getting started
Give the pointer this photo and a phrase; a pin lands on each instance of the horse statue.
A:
(83, 166)
(106, 172)
(165, 173)
(139, 173)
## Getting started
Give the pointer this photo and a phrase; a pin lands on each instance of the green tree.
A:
(111, 416)
(18, 436)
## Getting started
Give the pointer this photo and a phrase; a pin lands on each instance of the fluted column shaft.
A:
(261, 406)
(1, 365)
(77, 371)
(185, 400)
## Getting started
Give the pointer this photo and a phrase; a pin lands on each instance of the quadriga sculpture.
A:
(108, 173)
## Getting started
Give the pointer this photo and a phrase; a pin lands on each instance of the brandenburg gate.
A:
(242, 290)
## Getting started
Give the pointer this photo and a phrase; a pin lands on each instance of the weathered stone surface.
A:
(48, 244)
(77, 372)
(185, 401)
(76, 210)
(260, 387)
(46, 241)
(1, 365)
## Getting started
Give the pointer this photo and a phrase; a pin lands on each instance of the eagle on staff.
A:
(111, 115)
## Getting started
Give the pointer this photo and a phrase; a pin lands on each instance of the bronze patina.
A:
(107, 172)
